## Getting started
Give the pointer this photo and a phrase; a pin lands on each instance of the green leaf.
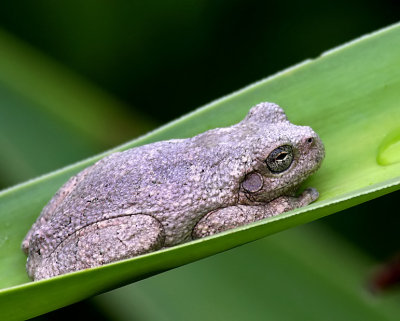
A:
(349, 96)
(305, 273)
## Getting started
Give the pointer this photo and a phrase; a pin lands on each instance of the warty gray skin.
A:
(170, 192)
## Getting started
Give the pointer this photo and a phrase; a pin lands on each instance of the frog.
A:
(165, 193)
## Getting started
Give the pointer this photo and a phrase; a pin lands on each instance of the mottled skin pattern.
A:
(170, 192)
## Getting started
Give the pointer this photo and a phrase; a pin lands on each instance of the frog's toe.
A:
(310, 195)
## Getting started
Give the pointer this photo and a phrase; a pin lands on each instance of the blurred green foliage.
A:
(51, 117)
(164, 58)
(167, 57)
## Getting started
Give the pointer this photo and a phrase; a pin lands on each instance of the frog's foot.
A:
(101, 243)
(234, 216)
(309, 195)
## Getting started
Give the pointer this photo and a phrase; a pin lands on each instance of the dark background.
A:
(166, 58)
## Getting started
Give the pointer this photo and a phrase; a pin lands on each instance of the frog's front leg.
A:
(233, 216)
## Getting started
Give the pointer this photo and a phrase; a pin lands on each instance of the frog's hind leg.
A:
(51, 206)
(103, 242)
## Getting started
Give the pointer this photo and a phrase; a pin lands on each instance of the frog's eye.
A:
(280, 159)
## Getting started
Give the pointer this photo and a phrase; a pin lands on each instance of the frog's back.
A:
(172, 181)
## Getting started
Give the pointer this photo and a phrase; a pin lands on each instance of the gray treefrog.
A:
(166, 193)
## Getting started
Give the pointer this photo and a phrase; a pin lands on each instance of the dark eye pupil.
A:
(280, 159)
(281, 156)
